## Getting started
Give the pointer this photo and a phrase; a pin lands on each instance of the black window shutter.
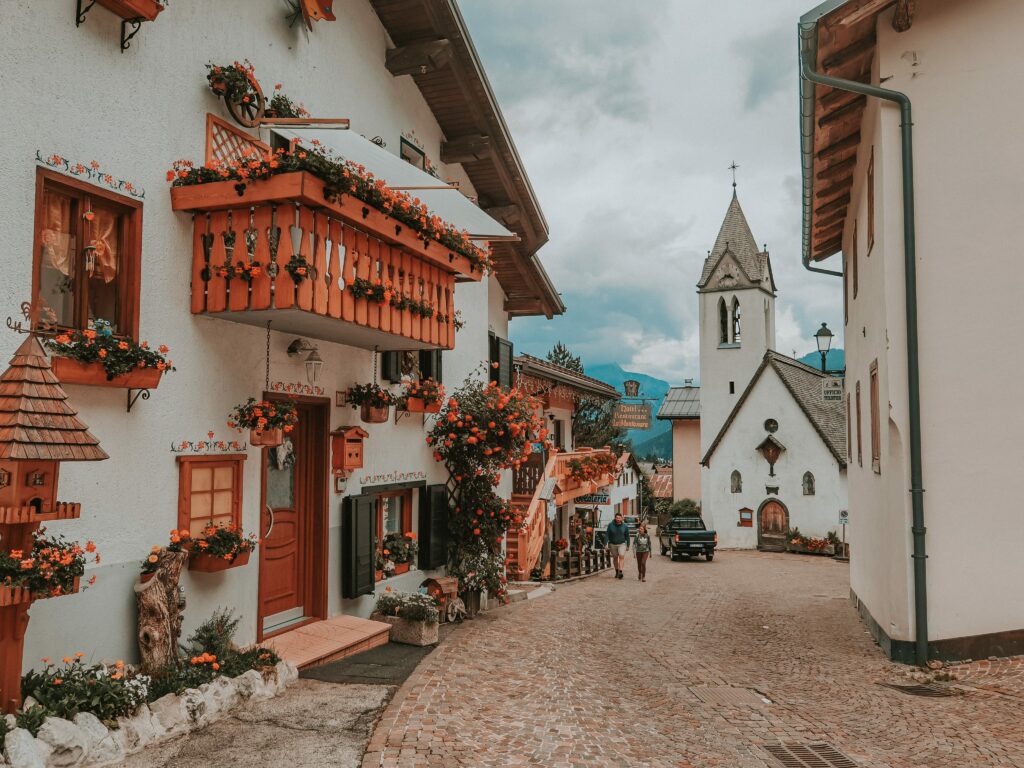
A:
(493, 340)
(433, 527)
(430, 364)
(504, 363)
(391, 366)
(358, 527)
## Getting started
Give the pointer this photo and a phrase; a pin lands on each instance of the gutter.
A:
(808, 39)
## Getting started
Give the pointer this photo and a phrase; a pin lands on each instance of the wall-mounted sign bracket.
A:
(80, 11)
(136, 25)
(139, 393)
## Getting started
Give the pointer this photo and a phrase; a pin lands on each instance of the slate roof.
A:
(736, 238)
(804, 384)
(36, 421)
(680, 403)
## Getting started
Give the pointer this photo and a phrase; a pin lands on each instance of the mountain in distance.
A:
(659, 445)
(834, 361)
(613, 374)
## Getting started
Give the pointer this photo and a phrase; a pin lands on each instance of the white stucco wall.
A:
(805, 451)
(956, 63)
(74, 93)
(686, 456)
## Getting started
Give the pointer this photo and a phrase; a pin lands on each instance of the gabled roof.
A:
(680, 403)
(804, 384)
(542, 369)
(736, 239)
(36, 421)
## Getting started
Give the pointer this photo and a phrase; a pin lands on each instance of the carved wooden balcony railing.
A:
(568, 487)
(285, 219)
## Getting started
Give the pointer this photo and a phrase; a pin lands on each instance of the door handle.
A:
(271, 511)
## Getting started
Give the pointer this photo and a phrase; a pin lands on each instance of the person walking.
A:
(642, 548)
(618, 543)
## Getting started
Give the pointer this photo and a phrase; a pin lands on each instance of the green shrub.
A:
(64, 691)
(685, 508)
(412, 606)
(31, 719)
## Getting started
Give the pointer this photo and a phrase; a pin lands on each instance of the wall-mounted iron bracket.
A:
(81, 10)
(136, 25)
(139, 393)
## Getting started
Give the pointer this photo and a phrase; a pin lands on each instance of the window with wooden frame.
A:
(871, 200)
(853, 250)
(394, 513)
(876, 420)
(87, 254)
(209, 492)
(501, 361)
(860, 452)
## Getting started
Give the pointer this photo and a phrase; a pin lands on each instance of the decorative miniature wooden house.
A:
(38, 430)
(347, 449)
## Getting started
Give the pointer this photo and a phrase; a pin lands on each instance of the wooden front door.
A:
(294, 494)
(772, 526)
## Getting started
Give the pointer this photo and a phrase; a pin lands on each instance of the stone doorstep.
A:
(329, 640)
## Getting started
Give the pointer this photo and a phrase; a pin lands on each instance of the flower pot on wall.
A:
(400, 568)
(378, 575)
(133, 9)
(419, 405)
(268, 438)
(93, 374)
(419, 633)
(14, 596)
(204, 563)
(374, 415)
(144, 577)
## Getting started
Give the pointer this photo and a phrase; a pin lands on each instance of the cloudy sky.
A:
(627, 116)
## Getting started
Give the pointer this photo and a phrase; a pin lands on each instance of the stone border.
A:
(86, 741)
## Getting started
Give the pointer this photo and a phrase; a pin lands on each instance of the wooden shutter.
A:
(430, 365)
(433, 527)
(358, 526)
(876, 421)
(391, 366)
(493, 356)
(504, 348)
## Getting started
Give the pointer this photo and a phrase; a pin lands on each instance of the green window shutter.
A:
(433, 527)
(391, 366)
(358, 527)
(504, 363)
(493, 357)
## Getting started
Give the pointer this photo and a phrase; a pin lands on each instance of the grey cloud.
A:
(771, 58)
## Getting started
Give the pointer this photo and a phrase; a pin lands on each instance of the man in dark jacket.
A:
(618, 543)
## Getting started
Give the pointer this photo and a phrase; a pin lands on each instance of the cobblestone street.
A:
(619, 673)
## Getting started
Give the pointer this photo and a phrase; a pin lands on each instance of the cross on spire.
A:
(733, 168)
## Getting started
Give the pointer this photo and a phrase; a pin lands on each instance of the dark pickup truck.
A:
(687, 536)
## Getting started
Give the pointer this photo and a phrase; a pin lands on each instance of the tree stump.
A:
(159, 613)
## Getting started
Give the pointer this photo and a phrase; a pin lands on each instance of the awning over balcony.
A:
(442, 199)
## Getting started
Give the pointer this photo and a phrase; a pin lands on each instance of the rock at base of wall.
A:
(21, 751)
(419, 633)
(68, 742)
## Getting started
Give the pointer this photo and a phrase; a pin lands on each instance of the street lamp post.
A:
(824, 339)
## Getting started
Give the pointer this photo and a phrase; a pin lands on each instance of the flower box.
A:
(374, 415)
(211, 564)
(268, 438)
(419, 405)
(21, 595)
(71, 371)
(144, 577)
(419, 633)
(400, 568)
(802, 549)
(20, 515)
(133, 9)
(378, 575)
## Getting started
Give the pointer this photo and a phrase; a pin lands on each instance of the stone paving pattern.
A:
(599, 674)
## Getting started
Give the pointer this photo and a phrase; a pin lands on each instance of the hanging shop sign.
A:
(631, 387)
(832, 390)
(594, 498)
(632, 416)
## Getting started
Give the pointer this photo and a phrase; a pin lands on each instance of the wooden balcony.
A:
(274, 221)
(569, 488)
(62, 510)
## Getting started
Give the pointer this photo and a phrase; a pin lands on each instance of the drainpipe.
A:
(808, 59)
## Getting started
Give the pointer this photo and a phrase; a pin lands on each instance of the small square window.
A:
(209, 492)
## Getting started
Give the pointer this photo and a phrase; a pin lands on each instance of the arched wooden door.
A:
(772, 524)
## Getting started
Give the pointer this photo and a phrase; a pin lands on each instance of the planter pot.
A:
(374, 415)
(92, 374)
(133, 9)
(410, 632)
(800, 549)
(401, 568)
(219, 85)
(472, 602)
(210, 564)
(268, 438)
(419, 405)
(20, 595)
(144, 577)
(378, 575)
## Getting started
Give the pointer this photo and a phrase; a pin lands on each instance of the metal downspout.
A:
(808, 44)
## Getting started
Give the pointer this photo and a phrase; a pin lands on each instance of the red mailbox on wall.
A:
(347, 449)
(746, 518)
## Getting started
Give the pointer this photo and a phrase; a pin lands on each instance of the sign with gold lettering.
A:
(632, 416)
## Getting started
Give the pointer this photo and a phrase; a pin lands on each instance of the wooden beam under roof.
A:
(524, 304)
(827, 249)
(504, 213)
(903, 17)
(419, 58)
(850, 141)
(467, 149)
(837, 169)
(852, 52)
(854, 105)
(833, 205)
(829, 220)
(829, 232)
(867, 8)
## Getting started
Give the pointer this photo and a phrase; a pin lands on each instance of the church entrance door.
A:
(772, 524)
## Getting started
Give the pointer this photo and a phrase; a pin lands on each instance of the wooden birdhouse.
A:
(347, 449)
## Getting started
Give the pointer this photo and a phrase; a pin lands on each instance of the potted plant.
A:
(176, 544)
(282, 107)
(401, 550)
(53, 567)
(267, 421)
(97, 356)
(232, 81)
(222, 547)
(413, 616)
(423, 396)
(374, 403)
(146, 10)
(593, 467)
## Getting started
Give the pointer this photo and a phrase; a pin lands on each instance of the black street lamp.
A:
(824, 339)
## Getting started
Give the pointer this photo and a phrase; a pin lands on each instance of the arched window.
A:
(723, 322)
(736, 335)
(808, 484)
(736, 482)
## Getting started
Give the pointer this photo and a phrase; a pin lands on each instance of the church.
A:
(762, 440)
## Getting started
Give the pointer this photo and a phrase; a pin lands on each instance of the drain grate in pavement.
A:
(809, 756)
(728, 695)
(918, 689)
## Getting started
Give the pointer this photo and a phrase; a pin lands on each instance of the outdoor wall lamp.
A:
(313, 362)
(824, 339)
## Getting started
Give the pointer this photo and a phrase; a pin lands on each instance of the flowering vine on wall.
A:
(91, 172)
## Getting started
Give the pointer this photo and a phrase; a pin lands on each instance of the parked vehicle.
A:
(632, 522)
(687, 537)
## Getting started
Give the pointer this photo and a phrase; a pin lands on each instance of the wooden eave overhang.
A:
(582, 384)
(433, 46)
(839, 37)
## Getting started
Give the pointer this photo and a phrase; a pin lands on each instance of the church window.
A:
(808, 484)
(736, 482)
(736, 335)
(723, 322)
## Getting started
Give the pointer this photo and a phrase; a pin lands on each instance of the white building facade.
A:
(135, 112)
